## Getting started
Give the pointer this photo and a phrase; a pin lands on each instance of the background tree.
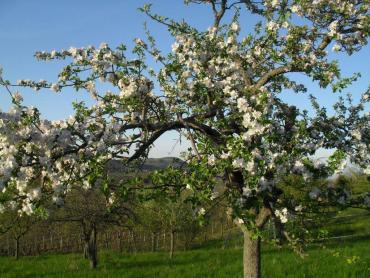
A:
(92, 213)
(16, 227)
(167, 208)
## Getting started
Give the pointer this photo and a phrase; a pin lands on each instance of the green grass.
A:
(351, 258)
(349, 222)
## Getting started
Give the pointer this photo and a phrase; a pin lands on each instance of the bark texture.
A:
(251, 256)
(90, 249)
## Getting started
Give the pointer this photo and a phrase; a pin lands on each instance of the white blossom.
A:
(55, 87)
(239, 163)
(235, 27)
(247, 191)
(282, 215)
(298, 208)
(336, 47)
(112, 199)
(239, 221)
(18, 97)
(212, 160)
(315, 193)
(272, 26)
(275, 3)
(202, 211)
(295, 9)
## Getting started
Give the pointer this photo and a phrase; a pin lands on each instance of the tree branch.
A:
(271, 74)
(262, 217)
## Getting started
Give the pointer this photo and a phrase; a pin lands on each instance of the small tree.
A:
(92, 213)
(176, 217)
(167, 208)
(150, 221)
(16, 226)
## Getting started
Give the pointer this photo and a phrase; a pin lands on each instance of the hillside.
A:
(151, 164)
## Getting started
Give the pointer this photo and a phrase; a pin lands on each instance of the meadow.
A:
(339, 258)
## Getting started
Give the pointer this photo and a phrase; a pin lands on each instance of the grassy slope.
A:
(349, 222)
(332, 261)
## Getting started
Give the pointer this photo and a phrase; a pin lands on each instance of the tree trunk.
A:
(278, 231)
(86, 249)
(251, 256)
(16, 254)
(92, 249)
(172, 246)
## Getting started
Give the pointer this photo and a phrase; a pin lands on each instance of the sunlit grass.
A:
(348, 259)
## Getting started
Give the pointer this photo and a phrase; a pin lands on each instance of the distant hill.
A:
(151, 164)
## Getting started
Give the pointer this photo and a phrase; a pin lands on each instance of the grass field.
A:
(349, 258)
(335, 258)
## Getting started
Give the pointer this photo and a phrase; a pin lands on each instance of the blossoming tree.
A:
(220, 87)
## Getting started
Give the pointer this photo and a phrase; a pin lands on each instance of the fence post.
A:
(51, 242)
(164, 240)
(8, 243)
(61, 243)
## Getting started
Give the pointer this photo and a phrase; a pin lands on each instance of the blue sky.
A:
(29, 26)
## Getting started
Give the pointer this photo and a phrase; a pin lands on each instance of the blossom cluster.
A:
(40, 157)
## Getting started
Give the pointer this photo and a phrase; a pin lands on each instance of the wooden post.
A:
(51, 242)
(153, 241)
(8, 243)
(157, 242)
(16, 254)
(134, 238)
(172, 245)
(222, 230)
(61, 244)
(106, 241)
(164, 240)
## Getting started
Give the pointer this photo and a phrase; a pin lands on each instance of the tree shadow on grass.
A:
(329, 243)
(149, 263)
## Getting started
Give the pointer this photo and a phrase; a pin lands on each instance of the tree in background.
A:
(222, 88)
(16, 227)
(167, 208)
(92, 213)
